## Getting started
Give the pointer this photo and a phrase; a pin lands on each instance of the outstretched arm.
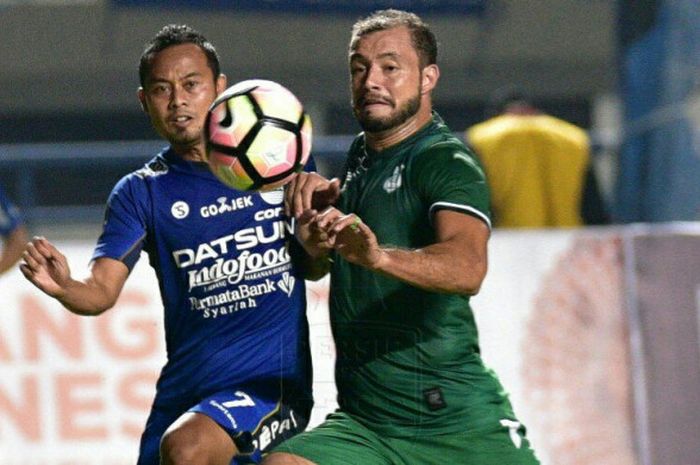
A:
(455, 263)
(12, 248)
(47, 268)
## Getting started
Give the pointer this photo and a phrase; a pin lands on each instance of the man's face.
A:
(385, 79)
(177, 93)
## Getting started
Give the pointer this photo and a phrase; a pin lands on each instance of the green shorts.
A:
(341, 440)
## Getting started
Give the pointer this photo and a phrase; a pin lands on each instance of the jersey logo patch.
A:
(434, 399)
(393, 182)
(287, 283)
(180, 210)
(153, 168)
(273, 197)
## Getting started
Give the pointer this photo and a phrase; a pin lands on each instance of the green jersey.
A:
(408, 359)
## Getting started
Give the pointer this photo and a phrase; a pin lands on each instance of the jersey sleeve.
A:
(448, 176)
(10, 217)
(310, 166)
(124, 229)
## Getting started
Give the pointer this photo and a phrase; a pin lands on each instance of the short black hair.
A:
(501, 98)
(177, 34)
(424, 40)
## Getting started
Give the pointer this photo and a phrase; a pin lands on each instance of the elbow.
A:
(88, 311)
(91, 305)
(469, 288)
(472, 279)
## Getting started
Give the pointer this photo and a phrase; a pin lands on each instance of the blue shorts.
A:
(255, 422)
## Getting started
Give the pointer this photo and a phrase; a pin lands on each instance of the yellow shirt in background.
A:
(535, 166)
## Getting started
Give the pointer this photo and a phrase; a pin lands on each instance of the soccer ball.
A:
(258, 136)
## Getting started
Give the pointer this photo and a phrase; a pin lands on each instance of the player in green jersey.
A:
(405, 241)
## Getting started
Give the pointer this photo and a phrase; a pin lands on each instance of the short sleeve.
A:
(124, 229)
(448, 176)
(310, 166)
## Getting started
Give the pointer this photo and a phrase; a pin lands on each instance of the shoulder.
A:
(355, 154)
(448, 154)
(135, 184)
(157, 166)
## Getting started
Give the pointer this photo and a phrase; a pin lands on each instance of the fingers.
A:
(34, 262)
(320, 225)
(334, 221)
(32, 256)
(39, 252)
(292, 195)
(26, 271)
(328, 196)
(307, 216)
(309, 191)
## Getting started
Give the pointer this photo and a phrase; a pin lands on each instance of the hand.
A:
(350, 237)
(45, 267)
(310, 191)
(310, 236)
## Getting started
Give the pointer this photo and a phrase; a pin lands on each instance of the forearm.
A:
(316, 268)
(86, 297)
(7, 260)
(13, 248)
(435, 268)
(313, 262)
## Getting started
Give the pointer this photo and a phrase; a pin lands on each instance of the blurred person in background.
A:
(13, 232)
(538, 167)
(238, 374)
(405, 240)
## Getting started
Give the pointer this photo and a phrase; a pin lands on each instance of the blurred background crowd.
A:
(624, 71)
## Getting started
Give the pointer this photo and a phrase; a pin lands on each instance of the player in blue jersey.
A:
(13, 233)
(238, 375)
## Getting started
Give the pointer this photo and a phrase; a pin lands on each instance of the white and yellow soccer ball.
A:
(258, 136)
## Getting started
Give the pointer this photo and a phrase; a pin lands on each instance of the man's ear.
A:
(142, 99)
(221, 82)
(429, 78)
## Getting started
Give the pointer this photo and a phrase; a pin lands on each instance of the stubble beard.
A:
(378, 124)
(185, 138)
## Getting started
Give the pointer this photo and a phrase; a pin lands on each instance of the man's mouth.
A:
(181, 120)
(373, 101)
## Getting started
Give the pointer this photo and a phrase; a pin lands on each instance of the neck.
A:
(379, 141)
(194, 153)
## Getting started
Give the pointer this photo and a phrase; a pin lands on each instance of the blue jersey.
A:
(234, 305)
(9, 215)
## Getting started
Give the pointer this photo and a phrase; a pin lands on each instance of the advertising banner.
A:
(664, 290)
(593, 332)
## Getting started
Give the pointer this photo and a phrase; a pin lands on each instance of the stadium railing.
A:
(58, 183)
